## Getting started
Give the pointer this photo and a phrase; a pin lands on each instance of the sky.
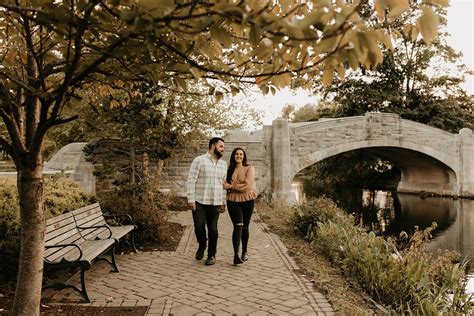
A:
(460, 26)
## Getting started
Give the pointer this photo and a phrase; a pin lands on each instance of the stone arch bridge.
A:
(430, 160)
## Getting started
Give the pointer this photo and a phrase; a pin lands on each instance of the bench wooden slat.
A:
(92, 215)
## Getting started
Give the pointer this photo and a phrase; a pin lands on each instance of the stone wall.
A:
(430, 159)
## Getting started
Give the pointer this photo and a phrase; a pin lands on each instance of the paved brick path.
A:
(174, 283)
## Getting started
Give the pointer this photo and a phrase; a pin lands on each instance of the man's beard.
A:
(217, 153)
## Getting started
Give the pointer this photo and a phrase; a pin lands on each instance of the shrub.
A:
(61, 194)
(147, 206)
(307, 215)
(407, 281)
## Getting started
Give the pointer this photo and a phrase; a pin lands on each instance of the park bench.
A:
(94, 224)
(66, 247)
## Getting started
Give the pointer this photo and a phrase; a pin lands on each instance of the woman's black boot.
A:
(237, 260)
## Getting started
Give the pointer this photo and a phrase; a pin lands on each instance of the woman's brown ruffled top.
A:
(242, 185)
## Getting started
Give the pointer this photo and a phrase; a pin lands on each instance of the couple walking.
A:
(210, 185)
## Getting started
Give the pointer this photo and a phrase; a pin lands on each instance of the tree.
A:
(50, 50)
(412, 81)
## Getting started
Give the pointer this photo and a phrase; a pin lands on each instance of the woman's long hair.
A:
(233, 163)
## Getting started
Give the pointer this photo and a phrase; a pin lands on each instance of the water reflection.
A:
(402, 212)
(392, 213)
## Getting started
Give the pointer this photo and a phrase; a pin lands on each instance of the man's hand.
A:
(192, 206)
(222, 209)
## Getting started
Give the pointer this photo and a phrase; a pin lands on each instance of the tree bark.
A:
(146, 166)
(158, 172)
(30, 274)
(132, 161)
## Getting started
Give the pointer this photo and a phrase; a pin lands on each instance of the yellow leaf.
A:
(385, 39)
(352, 59)
(380, 6)
(397, 7)
(326, 44)
(414, 33)
(328, 75)
(341, 71)
(282, 80)
(428, 24)
(443, 3)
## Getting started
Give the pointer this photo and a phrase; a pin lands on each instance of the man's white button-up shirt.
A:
(205, 181)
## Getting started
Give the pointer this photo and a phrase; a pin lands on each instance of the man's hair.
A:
(215, 140)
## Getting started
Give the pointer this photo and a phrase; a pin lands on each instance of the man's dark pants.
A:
(206, 214)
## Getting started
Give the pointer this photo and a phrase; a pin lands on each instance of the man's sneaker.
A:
(210, 260)
(200, 253)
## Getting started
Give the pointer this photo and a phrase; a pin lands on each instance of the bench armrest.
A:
(126, 217)
(96, 227)
(64, 246)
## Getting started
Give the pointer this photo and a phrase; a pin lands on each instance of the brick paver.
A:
(174, 283)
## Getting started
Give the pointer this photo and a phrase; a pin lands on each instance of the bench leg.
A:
(83, 286)
(82, 291)
(132, 237)
(112, 262)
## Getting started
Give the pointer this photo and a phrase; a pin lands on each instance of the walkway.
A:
(174, 283)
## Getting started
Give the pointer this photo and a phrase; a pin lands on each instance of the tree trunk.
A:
(132, 161)
(158, 171)
(30, 274)
(145, 166)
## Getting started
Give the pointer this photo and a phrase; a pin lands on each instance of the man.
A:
(206, 196)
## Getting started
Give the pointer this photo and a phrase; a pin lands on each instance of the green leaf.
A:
(255, 34)
(221, 35)
(127, 15)
(158, 8)
(196, 73)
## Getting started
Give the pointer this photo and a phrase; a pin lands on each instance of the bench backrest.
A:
(61, 230)
(90, 215)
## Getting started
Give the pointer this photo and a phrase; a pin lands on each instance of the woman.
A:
(240, 200)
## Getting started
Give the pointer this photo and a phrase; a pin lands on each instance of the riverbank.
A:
(345, 296)
(407, 279)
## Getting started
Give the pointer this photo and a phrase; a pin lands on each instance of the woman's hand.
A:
(227, 186)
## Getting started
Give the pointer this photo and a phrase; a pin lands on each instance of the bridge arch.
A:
(422, 168)
(431, 160)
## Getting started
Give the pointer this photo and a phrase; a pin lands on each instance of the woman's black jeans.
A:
(206, 214)
(240, 214)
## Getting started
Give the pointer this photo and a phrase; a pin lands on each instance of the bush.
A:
(147, 206)
(307, 215)
(407, 281)
(61, 194)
